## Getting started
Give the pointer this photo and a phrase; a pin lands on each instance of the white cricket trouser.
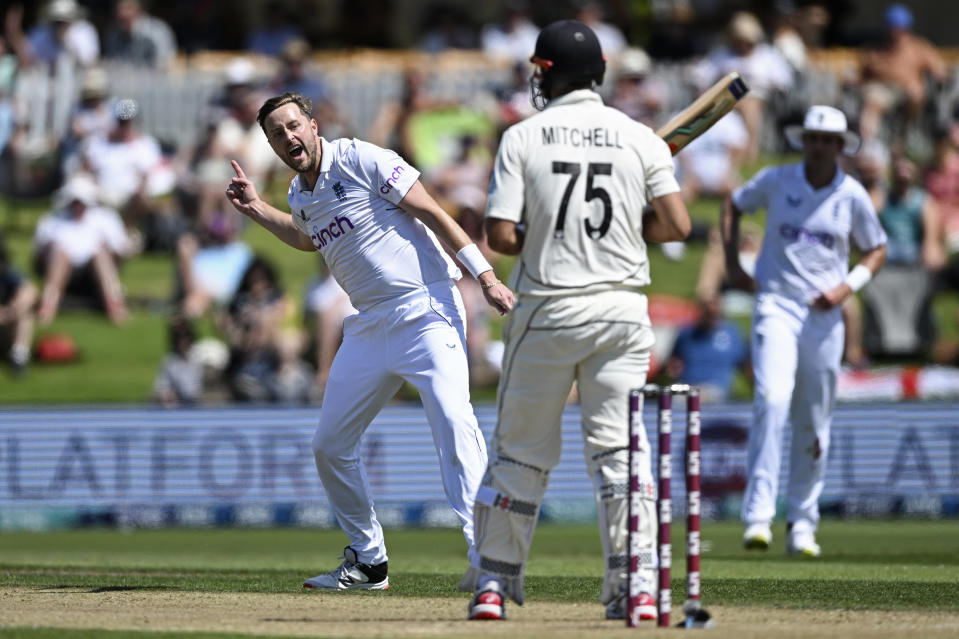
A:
(601, 341)
(796, 352)
(419, 338)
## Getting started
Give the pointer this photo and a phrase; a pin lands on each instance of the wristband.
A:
(471, 257)
(858, 277)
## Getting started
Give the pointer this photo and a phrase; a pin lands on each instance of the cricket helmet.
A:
(567, 54)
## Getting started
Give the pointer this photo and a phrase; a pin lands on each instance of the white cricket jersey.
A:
(805, 249)
(374, 249)
(578, 175)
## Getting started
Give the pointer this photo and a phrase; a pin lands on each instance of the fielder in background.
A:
(802, 278)
(569, 189)
(376, 226)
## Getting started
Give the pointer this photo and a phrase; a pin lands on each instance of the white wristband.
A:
(471, 257)
(858, 277)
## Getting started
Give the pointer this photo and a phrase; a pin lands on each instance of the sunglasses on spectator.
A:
(824, 138)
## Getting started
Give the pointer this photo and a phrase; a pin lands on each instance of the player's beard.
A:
(307, 159)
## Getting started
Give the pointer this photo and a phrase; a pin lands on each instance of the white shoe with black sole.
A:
(352, 575)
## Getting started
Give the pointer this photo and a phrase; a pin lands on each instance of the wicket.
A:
(664, 420)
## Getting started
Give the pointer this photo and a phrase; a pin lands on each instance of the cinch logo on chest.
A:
(323, 236)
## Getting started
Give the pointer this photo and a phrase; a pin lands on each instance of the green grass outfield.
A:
(866, 565)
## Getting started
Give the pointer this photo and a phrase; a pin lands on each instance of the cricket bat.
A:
(694, 120)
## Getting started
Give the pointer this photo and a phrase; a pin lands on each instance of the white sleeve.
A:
(754, 194)
(660, 172)
(384, 171)
(507, 188)
(867, 232)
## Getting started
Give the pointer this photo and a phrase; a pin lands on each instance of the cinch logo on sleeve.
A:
(391, 181)
(323, 236)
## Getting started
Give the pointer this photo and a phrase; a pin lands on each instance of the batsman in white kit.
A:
(568, 194)
(813, 210)
(376, 226)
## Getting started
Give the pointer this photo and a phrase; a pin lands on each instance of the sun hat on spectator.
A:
(94, 84)
(63, 11)
(823, 119)
(634, 63)
(745, 26)
(78, 188)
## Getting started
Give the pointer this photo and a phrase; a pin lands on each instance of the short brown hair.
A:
(303, 103)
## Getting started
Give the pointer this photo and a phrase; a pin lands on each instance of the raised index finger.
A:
(239, 172)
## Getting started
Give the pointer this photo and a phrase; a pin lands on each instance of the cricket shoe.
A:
(802, 545)
(646, 605)
(351, 575)
(757, 537)
(488, 602)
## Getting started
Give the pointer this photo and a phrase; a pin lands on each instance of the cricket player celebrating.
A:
(376, 226)
(568, 194)
(802, 277)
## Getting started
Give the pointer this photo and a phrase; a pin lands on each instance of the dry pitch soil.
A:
(360, 617)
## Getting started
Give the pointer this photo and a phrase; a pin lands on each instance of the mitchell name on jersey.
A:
(569, 136)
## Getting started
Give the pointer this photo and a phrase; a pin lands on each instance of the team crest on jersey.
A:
(339, 191)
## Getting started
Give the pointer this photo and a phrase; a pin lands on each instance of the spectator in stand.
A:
(637, 91)
(295, 76)
(293, 380)
(899, 320)
(513, 98)
(251, 326)
(610, 36)
(327, 305)
(389, 129)
(77, 250)
(179, 380)
(276, 28)
(62, 37)
(710, 164)
(675, 33)
(485, 354)
(211, 260)
(9, 66)
(93, 115)
(713, 280)
(907, 213)
(132, 174)
(238, 135)
(941, 180)
(708, 353)
(514, 38)
(763, 68)
(18, 299)
(894, 75)
(139, 39)
(446, 27)
(468, 173)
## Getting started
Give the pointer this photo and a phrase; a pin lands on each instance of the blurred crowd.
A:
(116, 190)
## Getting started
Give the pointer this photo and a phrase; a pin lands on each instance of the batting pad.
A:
(505, 512)
(609, 470)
